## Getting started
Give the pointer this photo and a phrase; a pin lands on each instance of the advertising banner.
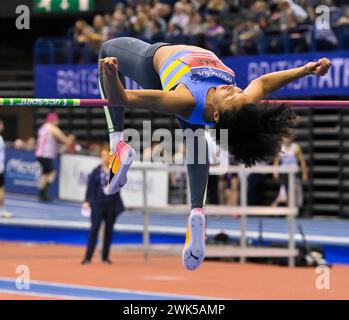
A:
(75, 169)
(335, 82)
(70, 81)
(22, 172)
(81, 81)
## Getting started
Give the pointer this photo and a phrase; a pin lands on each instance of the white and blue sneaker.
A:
(119, 163)
(193, 253)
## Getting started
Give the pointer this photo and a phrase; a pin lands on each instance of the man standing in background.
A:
(3, 212)
(49, 136)
(103, 208)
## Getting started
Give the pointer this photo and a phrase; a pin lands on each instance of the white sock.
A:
(114, 138)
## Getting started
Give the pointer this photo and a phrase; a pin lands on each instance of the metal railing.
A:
(244, 210)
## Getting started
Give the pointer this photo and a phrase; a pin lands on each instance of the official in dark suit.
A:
(103, 208)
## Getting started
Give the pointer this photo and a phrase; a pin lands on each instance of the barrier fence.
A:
(243, 251)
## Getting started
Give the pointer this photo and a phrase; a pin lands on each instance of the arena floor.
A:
(56, 273)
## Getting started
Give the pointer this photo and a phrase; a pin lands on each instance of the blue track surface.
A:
(58, 290)
(61, 222)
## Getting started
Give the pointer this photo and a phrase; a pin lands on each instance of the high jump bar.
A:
(58, 102)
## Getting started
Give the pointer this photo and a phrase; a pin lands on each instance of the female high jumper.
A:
(193, 84)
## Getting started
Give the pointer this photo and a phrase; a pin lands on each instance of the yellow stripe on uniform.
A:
(181, 72)
(172, 65)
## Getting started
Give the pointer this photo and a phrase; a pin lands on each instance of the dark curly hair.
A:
(255, 131)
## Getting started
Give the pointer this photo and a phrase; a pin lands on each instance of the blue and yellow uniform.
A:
(198, 71)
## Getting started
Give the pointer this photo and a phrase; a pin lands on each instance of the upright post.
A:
(146, 236)
(243, 221)
(291, 218)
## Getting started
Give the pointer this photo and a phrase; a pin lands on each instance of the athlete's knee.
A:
(105, 49)
(115, 43)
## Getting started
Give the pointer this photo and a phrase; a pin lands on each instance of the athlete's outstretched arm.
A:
(270, 82)
(155, 100)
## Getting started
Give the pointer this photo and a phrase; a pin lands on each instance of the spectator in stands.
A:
(19, 144)
(103, 207)
(154, 15)
(214, 33)
(229, 186)
(94, 148)
(82, 31)
(156, 27)
(3, 212)
(29, 144)
(155, 33)
(196, 26)
(344, 19)
(291, 154)
(174, 34)
(73, 146)
(49, 136)
(108, 19)
(233, 27)
(231, 192)
(214, 28)
(164, 10)
(249, 38)
(180, 16)
(325, 38)
(140, 23)
(100, 28)
(216, 7)
(259, 13)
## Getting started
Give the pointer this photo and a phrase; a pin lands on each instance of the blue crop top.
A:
(198, 71)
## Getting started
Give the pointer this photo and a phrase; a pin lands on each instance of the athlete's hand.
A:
(109, 67)
(85, 205)
(318, 68)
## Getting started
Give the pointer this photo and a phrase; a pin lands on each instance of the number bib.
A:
(205, 65)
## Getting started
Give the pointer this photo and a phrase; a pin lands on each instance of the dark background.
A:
(19, 43)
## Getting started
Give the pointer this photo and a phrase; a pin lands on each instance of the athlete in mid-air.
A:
(193, 84)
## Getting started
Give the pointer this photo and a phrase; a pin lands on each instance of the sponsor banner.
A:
(157, 188)
(74, 172)
(70, 81)
(336, 82)
(22, 173)
(81, 81)
(75, 169)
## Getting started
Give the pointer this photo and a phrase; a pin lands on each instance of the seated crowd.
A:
(225, 27)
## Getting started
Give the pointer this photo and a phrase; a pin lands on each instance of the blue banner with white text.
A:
(70, 81)
(22, 173)
(81, 81)
(336, 82)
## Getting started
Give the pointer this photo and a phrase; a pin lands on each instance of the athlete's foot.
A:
(193, 253)
(119, 162)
